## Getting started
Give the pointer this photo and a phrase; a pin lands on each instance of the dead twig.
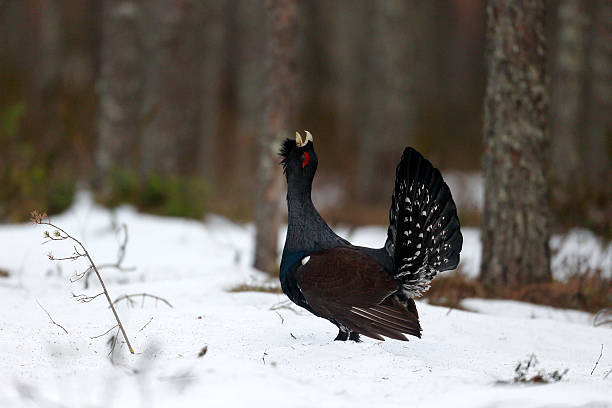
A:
(281, 317)
(120, 255)
(85, 298)
(112, 342)
(60, 234)
(286, 304)
(106, 332)
(143, 327)
(603, 317)
(598, 358)
(131, 302)
(50, 318)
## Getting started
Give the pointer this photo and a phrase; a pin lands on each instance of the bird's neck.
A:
(307, 230)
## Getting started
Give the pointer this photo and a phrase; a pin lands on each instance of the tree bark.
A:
(213, 49)
(390, 94)
(278, 114)
(598, 143)
(515, 230)
(172, 92)
(120, 86)
(567, 96)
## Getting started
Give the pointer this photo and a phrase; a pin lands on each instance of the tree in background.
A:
(599, 95)
(120, 87)
(390, 97)
(172, 88)
(278, 113)
(515, 228)
(567, 95)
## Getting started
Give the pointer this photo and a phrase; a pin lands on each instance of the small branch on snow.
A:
(143, 327)
(82, 298)
(112, 342)
(286, 304)
(281, 317)
(131, 302)
(120, 255)
(598, 358)
(50, 318)
(106, 332)
(603, 317)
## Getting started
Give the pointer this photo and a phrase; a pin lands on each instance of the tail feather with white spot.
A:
(424, 235)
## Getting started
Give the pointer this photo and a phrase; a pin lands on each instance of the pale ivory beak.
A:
(309, 137)
(298, 139)
(301, 142)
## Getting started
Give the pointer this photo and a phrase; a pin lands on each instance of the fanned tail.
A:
(424, 235)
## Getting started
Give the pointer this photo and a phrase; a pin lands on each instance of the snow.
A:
(260, 350)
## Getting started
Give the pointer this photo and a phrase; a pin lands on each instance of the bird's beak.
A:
(301, 142)
(298, 139)
(309, 137)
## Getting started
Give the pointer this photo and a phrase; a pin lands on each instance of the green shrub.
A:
(163, 195)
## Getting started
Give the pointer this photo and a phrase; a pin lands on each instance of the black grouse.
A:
(365, 290)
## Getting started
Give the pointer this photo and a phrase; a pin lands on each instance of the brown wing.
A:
(349, 287)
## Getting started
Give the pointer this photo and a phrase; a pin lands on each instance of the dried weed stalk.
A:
(80, 251)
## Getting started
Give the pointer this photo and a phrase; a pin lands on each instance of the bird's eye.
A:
(305, 159)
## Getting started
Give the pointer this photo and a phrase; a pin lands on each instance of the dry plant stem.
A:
(145, 326)
(129, 298)
(106, 332)
(120, 257)
(95, 269)
(597, 362)
(50, 318)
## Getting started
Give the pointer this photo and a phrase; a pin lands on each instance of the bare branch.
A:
(281, 317)
(120, 256)
(106, 332)
(143, 327)
(113, 343)
(131, 302)
(598, 358)
(286, 304)
(78, 276)
(50, 318)
(82, 298)
(603, 317)
(67, 258)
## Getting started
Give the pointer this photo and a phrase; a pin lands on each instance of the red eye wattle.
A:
(305, 159)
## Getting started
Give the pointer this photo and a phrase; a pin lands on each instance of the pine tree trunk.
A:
(120, 86)
(567, 97)
(515, 230)
(390, 95)
(171, 131)
(213, 52)
(598, 144)
(281, 58)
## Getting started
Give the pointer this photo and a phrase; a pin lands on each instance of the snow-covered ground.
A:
(260, 350)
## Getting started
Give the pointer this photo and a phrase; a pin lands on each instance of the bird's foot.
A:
(342, 336)
(354, 336)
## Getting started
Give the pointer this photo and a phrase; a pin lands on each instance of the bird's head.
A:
(299, 160)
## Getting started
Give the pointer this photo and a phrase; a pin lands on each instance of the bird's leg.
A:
(354, 336)
(342, 335)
